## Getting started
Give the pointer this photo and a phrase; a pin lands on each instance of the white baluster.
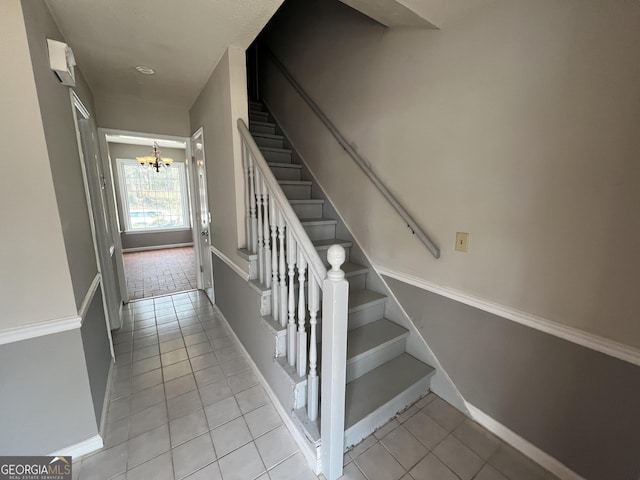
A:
(335, 299)
(275, 290)
(260, 228)
(283, 271)
(252, 207)
(291, 326)
(247, 201)
(302, 315)
(267, 243)
(312, 379)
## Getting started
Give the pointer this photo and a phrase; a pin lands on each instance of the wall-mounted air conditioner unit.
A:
(62, 62)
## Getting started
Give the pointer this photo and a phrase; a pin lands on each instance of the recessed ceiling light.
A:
(145, 70)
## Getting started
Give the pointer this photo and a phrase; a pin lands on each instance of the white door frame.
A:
(104, 149)
(196, 208)
(78, 108)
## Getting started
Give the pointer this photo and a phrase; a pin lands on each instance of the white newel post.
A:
(335, 297)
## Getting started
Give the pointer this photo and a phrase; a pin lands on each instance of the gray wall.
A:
(158, 239)
(97, 352)
(143, 240)
(240, 305)
(516, 122)
(221, 102)
(62, 146)
(578, 405)
(45, 395)
(128, 112)
(33, 239)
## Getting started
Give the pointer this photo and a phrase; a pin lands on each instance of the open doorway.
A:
(154, 214)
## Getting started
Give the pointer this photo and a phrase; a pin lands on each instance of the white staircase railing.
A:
(276, 236)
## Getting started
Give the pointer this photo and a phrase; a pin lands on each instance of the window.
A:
(153, 200)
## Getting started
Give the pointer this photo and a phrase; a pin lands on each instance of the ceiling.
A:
(181, 41)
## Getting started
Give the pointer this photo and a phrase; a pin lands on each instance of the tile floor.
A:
(160, 272)
(186, 404)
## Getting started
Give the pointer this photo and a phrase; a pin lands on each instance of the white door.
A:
(202, 215)
(94, 184)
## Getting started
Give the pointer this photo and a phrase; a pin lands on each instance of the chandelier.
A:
(155, 160)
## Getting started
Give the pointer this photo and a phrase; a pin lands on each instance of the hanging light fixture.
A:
(155, 160)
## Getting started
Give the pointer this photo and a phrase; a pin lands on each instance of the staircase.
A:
(382, 379)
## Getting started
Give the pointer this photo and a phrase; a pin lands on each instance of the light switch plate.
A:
(462, 241)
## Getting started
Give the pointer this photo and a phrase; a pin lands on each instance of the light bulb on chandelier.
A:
(155, 160)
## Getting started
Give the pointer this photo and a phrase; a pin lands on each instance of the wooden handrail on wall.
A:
(410, 222)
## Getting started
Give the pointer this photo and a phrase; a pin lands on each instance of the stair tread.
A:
(351, 269)
(366, 338)
(260, 122)
(326, 243)
(268, 135)
(307, 201)
(276, 149)
(369, 392)
(295, 182)
(284, 165)
(362, 298)
(318, 221)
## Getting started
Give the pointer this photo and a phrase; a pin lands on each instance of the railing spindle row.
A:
(285, 255)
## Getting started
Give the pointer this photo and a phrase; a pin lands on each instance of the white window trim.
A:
(124, 203)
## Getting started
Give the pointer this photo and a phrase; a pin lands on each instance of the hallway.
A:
(160, 272)
(185, 403)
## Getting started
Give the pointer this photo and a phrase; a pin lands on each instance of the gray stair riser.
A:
(376, 419)
(269, 142)
(256, 107)
(320, 232)
(357, 282)
(376, 357)
(259, 116)
(277, 157)
(297, 192)
(323, 255)
(366, 315)
(283, 173)
(308, 210)
(257, 128)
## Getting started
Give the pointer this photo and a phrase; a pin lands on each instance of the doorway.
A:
(154, 213)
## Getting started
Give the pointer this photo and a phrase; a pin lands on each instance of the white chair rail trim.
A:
(88, 297)
(81, 448)
(40, 329)
(571, 334)
(528, 449)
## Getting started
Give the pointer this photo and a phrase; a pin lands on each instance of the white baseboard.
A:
(571, 334)
(523, 446)
(312, 456)
(107, 396)
(157, 247)
(79, 449)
